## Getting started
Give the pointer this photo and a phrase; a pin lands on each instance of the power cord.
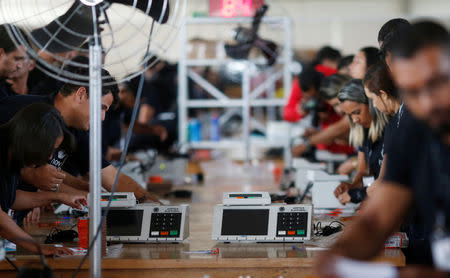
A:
(57, 235)
(328, 229)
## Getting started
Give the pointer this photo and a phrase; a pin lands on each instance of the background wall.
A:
(345, 24)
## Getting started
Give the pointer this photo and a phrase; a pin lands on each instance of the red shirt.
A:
(290, 111)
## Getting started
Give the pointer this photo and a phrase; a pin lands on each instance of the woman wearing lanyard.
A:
(366, 133)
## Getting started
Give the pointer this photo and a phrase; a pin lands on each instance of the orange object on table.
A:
(155, 179)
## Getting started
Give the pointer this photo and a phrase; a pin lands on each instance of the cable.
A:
(123, 156)
(12, 263)
(328, 229)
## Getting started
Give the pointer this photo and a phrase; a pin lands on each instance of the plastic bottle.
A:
(195, 131)
(215, 128)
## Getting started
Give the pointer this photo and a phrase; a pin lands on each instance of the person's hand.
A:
(160, 131)
(309, 132)
(46, 177)
(75, 201)
(298, 150)
(150, 198)
(33, 216)
(48, 250)
(344, 198)
(343, 187)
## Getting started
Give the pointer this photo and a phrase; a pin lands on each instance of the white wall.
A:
(346, 24)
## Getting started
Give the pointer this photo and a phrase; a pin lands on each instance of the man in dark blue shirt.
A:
(73, 103)
(9, 60)
(418, 164)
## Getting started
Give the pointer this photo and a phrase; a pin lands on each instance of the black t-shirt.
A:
(373, 154)
(5, 89)
(9, 178)
(161, 91)
(392, 126)
(420, 161)
(78, 162)
(111, 131)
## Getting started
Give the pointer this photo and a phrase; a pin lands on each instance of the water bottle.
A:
(2, 249)
(195, 131)
(215, 128)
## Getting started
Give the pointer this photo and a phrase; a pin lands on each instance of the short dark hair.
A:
(420, 35)
(391, 26)
(345, 61)
(310, 78)
(83, 70)
(6, 43)
(327, 52)
(331, 85)
(32, 134)
(377, 78)
(372, 55)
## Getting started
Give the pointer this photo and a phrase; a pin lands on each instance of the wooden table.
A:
(168, 260)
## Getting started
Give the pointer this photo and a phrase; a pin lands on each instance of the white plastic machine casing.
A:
(302, 166)
(272, 234)
(120, 199)
(319, 175)
(323, 196)
(251, 198)
(149, 211)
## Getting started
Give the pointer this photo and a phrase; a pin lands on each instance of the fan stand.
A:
(95, 147)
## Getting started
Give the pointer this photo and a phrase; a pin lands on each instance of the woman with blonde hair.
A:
(366, 134)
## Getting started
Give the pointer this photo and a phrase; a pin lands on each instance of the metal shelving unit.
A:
(250, 98)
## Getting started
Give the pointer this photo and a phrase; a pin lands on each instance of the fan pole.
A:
(95, 147)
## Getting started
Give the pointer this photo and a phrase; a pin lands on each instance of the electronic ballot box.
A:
(250, 217)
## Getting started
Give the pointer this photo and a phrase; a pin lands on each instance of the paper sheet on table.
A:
(357, 269)
(9, 246)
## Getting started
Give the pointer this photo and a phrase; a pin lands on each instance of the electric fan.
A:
(128, 32)
(247, 38)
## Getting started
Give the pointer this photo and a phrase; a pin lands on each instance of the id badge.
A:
(441, 253)
(367, 181)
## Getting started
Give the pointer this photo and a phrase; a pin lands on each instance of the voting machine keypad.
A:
(292, 224)
(165, 225)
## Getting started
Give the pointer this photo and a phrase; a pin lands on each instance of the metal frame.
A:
(249, 97)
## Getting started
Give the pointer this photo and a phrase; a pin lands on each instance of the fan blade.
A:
(55, 37)
(156, 9)
(239, 51)
(269, 50)
(258, 16)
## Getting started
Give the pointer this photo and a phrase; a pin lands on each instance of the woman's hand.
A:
(343, 187)
(298, 150)
(344, 198)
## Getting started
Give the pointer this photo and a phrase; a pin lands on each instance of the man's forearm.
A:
(361, 233)
(75, 182)
(12, 232)
(26, 175)
(127, 184)
(27, 200)
(64, 188)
